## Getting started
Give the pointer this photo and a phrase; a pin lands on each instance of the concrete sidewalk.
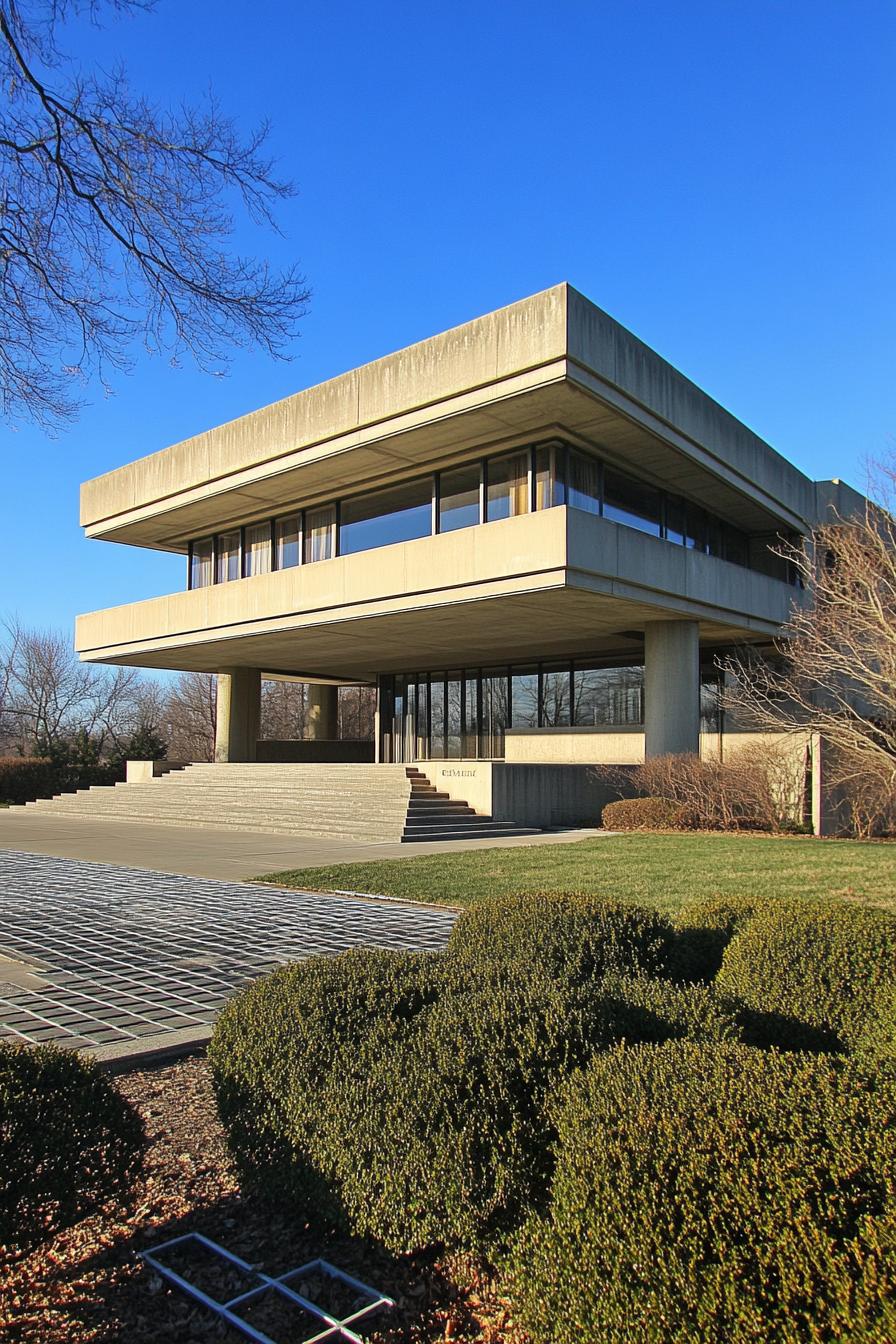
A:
(233, 855)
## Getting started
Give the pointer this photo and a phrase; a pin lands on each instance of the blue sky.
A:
(718, 176)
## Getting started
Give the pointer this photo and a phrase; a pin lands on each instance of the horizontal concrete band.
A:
(598, 575)
(552, 359)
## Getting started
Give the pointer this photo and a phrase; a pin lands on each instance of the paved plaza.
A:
(114, 959)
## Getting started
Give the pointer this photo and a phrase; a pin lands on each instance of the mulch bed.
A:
(87, 1286)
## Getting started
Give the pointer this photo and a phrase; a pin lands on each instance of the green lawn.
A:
(660, 870)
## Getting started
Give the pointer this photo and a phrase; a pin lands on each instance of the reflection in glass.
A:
(524, 699)
(320, 525)
(632, 503)
(286, 541)
(257, 556)
(453, 717)
(550, 488)
(201, 563)
(711, 704)
(471, 715)
(555, 697)
(401, 513)
(228, 557)
(583, 482)
(508, 486)
(436, 716)
(459, 498)
(494, 713)
(607, 696)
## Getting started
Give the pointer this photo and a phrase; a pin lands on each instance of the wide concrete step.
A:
(368, 803)
(491, 831)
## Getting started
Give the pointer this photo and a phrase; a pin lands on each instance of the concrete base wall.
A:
(526, 794)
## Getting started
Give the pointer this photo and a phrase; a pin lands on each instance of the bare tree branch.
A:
(115, 223)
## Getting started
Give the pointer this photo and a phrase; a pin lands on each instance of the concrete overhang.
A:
(556, 583)
(550, 364)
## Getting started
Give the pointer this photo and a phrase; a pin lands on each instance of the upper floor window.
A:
(202, 559)
(632, 502)
(401, 513)
(257, 554)
(228, 549)
(459, 497)
(287, 532)
(540, 476)
(508, 486)
(583, 482)
(320, 534)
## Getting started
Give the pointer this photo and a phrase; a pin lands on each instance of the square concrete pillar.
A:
(238, 714)
(322, 715)
(671, 688)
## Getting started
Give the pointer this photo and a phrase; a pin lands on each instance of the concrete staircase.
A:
(372, 803)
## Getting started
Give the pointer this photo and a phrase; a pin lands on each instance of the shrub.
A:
(276, 1044)
(876, 1042)
(68, 1142)
(657, 1010)
(702, 932)
(643, 814)
(24, 778)
(439, 1136)
(808, 974)
(714, 1192)
(759, 786)
(570, 936)
(444, 1135)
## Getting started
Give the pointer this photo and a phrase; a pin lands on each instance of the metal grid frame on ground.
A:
(332, 1327)
(117, 954)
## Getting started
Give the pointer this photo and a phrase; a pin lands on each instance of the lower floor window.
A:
(465, 714)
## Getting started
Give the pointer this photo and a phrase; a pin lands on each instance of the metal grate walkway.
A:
(117, 954)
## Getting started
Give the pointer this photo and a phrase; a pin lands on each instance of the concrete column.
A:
(321, 718)
(671, 687)
(239, 713)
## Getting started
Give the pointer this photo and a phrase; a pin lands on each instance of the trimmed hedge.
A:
(714, 1192)
(68, 1142)
(809, 975)
(570, 936)
(643, 814)
(658, 1010)
(24, 778)
(276, 1044)
(703, 930)
(438, 1135)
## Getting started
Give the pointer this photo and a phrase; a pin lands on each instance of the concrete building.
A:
(530, 533)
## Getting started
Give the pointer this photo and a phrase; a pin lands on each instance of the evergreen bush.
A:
(572, 937)
(708, 1192)
(808, 975)
(69, 1142)
(276, 1044)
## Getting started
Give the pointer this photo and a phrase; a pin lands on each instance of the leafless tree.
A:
(189, 717)
(48, 695)
(834, 669)
(115, 217)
